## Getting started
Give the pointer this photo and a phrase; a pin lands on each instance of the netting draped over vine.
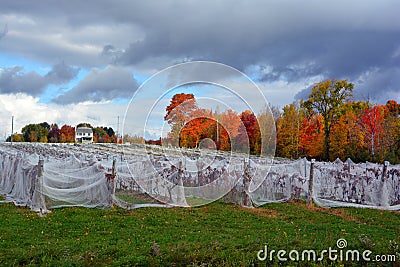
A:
(102, 176)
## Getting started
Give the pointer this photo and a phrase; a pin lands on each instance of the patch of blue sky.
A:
(53, 91)
(10, 61)
(140, 77)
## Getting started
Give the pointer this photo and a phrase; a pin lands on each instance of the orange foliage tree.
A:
(288, 131)
(229, 123)
(67, 134)
(179, 113)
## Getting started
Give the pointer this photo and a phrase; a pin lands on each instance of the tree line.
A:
(191, 125)
(327, 125)
(51, 133)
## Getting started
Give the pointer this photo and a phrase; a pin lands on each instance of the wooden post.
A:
(41, 200)
(114, 174)
(180, 198)
(246, 183)
(384, 201)
(41, 164)
(111, 182)
(311, 182)
(385, 165)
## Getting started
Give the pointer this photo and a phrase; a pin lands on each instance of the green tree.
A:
(327, 98)
(100, 135)
(84, 124)
(36, 132)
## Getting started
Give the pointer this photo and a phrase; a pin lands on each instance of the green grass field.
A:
(212, 235)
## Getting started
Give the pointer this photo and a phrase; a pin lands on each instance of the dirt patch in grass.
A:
(261, 212)
(331, 211)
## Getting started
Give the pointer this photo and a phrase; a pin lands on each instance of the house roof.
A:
(84, 130)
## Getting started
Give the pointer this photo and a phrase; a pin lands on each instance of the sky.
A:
(82, 61)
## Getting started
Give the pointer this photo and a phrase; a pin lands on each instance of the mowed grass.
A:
(218, 234)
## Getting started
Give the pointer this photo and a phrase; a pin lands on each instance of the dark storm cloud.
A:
(384, 81)
(61, 73)
(15, 80)
(100, 85)
(287, 40)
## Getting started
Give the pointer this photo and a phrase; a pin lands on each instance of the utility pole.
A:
(12, 128)
(217, 130)
(118, 131)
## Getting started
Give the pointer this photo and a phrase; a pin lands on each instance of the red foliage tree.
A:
(372, 124)
(249, 133)
(67, 134)
(311, 139)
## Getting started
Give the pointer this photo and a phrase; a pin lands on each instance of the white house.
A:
(83, 135)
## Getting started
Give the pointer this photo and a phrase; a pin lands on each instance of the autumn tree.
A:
(288, 131)
(16, 137)
(178, 113)
(311, 137)
(249, 135)
(133, 139)
(36, 132)
(230, 122)
(393, 107)
(84, 124)
(345, 137)
(372, 124)
(326, 98)
(54, 134)
(392, 139)
(110, 131)
(199, 127)
(67, 134)
(100, 135)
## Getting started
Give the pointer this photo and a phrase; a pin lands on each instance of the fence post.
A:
(311, 182)
(246, 183)
(111, 182)
(384, 201)
(41, 200)
(180, 198)
(114, 174)
(385, 165)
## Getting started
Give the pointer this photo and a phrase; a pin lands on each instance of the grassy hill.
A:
(213, 235)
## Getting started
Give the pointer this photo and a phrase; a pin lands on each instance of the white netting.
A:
(357, 185)
(284, 181)
(102, 176)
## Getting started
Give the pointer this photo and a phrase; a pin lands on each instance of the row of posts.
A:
(111, 182)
